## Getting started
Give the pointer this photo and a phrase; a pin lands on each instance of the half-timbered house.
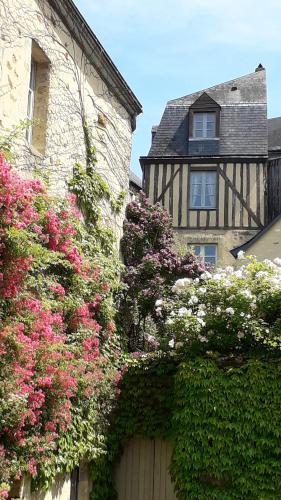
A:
(208, 165)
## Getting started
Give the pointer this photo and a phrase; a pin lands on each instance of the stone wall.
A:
(62, 489)
(68, 90)
(225, 240)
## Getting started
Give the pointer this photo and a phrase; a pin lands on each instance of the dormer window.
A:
(204, 125)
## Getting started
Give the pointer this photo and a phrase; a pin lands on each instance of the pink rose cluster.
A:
(51, 353)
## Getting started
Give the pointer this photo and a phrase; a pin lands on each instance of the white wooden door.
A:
(143, 471)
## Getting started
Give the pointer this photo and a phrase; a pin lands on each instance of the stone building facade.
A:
(55, 72)
(56, 80)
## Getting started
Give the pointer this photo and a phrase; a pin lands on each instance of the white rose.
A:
(202, 338)
(229, 269)
(277, 261)
(238, 274)
(182, 311)
(169, 321)
(241, 255)
(217, 277)
(262, 274)
(230, 311)
(193, 300)
(172, 343)
(201, 321)
(180, 285)
(206, 275)
(158, 302)
(201, 313)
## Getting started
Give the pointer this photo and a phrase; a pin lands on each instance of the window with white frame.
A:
(31, 100)
(204, 125)
(203, 189)
(207, 253)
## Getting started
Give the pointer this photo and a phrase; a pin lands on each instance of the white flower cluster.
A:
(234, 295)
(181, 285)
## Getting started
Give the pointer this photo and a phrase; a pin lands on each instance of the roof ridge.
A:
(214, 86)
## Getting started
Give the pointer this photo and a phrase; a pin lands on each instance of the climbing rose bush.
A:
(59, 352)
(152, 263)
(226, 310)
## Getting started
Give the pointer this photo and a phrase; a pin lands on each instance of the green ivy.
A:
(92, 191)
(224, 422)
(144, 409)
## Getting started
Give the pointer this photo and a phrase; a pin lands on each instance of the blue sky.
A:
(169, 48)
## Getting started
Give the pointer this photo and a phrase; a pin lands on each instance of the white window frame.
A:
(205, 116)
(202, 253)
(31, 100)
(204, 185)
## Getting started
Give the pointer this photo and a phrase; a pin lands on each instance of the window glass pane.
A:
(210, 118)
(198, 119)
(210, 189)
(210, 260)
(197, 250)
(211, 121)
(198, 124)
(196, 189)
(31, 100)
(210, 251)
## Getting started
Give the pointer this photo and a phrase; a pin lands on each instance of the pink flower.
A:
(58, 289)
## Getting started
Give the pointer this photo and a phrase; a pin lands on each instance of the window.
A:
(37, 99)
(207, 253)
(204, 125)
(203, 188)
(31, 100)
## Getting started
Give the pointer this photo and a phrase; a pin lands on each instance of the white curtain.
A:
(196, 189)
(210, 189)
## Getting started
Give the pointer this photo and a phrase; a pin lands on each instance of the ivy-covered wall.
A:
(224, 422)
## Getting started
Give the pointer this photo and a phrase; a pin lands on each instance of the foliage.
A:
(227, 310)
(227, 431)
(91, 189)
(93, 192)
(59, 352)
(223, 422)
(152, 265)
(144, 409)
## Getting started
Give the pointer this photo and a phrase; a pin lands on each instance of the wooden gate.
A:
(143, 472)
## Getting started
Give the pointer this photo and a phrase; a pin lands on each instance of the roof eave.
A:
(197, 159)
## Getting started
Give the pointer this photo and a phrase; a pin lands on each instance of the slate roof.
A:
(243, 121)
(135, 180)
(274, 134)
